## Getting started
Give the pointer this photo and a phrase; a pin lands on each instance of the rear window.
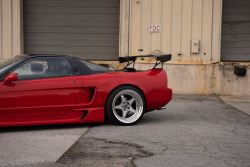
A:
(95, 68)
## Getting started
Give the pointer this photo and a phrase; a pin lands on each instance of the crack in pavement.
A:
(96, 152)
(99, 152)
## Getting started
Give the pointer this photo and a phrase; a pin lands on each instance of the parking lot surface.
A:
(37, 144)
(240, 102)
(194, 130)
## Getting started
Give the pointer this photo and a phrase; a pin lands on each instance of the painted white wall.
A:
(10, 28)
(180, 20)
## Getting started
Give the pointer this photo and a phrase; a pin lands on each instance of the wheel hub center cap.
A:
(126, 105)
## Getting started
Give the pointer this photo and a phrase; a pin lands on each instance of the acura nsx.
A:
(58, 89)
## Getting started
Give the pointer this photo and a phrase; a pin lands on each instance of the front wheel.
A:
(125, 106)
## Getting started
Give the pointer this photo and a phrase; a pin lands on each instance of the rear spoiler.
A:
(159, 59)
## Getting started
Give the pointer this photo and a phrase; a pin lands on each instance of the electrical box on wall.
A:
(195, 46)
(240, 71)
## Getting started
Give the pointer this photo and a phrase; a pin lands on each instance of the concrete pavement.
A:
(37, 144)
(194, 130)
(242, 103)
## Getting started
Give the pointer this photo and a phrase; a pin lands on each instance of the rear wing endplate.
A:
(159, 59)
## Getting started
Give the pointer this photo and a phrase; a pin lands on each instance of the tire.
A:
(125, 106)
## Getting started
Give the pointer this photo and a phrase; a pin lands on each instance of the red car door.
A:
(34, 96)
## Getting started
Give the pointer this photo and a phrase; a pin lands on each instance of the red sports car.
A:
(57, 89)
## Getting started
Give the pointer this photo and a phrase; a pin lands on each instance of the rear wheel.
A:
(125, 106)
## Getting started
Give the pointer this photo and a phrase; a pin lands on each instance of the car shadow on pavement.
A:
(42, 127)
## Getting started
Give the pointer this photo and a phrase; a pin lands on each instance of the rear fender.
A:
(151, 83)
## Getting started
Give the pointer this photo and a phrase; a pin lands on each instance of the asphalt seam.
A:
(74, 144)
(233, 107)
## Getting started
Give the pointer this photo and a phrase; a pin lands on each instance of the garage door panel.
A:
(80, 28)
(235, 57)
(235, 23)
(236, 10)
(71, 30)
(66, 17)
(72, 20)
(77, 37)
(233, 3)
(87, 56)
(235, 37)
(71, 49)
(235, 44)
(70, 10)
(65, 42)
(72, 24)
(95, 56)
(235, 50)
(236, 29)
(70, 40)
(236, 17)
(74, 3)
(71, 44)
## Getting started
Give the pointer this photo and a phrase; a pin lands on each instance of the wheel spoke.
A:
(132, 110)
(124, 113)
(123, 98)
(119, 107)
(131, 101)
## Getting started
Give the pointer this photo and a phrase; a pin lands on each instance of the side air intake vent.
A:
(85, 114)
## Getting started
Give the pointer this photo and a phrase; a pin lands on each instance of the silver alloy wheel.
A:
(127, 106)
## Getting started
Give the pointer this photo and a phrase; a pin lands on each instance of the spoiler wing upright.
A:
(164, 58)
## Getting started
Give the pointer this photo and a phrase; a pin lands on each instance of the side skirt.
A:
(94, 115)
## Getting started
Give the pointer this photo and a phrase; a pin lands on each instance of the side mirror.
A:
(11, 77)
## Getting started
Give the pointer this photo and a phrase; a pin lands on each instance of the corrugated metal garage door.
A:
(235, 44)
(87, 29)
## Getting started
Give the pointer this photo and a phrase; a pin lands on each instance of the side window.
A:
(43, 67)
(37, 67)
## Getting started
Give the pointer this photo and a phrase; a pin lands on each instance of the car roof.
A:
(40, 55)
